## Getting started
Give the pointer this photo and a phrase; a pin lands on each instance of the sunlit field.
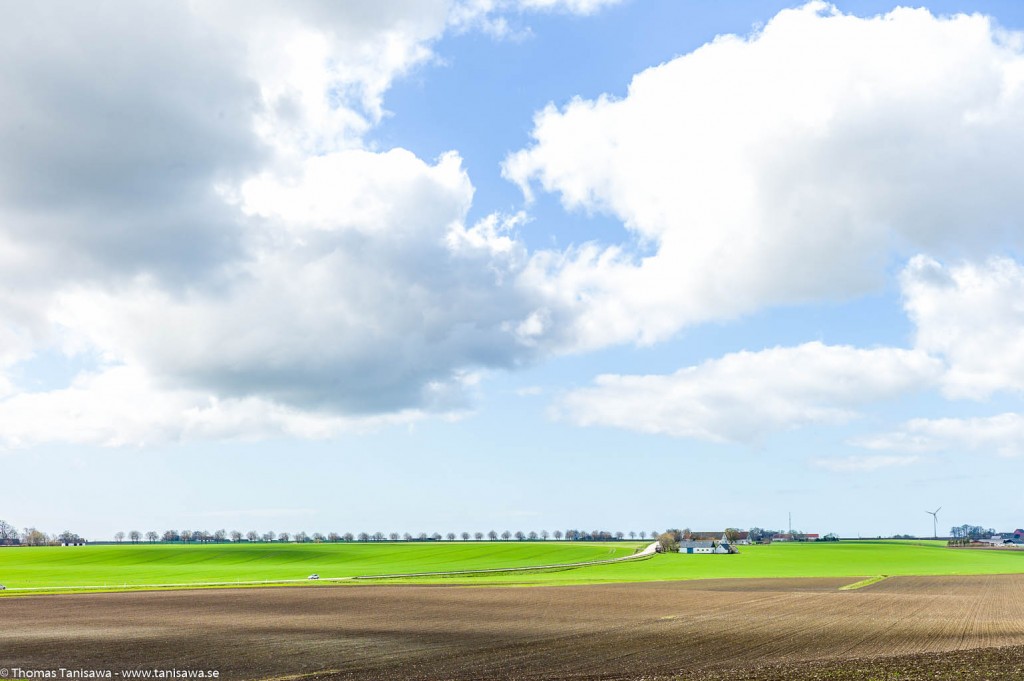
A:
(176, 566)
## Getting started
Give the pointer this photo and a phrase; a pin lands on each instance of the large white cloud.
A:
(972, 315)
(187, 199)
(743, 396)
(368, 295)
(188, 202)
(124, 120)
(787, 166)
(123, 406)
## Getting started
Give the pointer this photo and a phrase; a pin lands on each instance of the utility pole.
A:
(791, 524)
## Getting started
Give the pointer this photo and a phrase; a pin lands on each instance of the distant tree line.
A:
(252, 536)
(963, 535)
(30, 536)
(970, 532)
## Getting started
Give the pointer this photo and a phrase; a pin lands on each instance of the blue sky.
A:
(548, 264)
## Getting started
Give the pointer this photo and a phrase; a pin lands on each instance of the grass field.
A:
(145, 564)
(141, 565)
(841, 559)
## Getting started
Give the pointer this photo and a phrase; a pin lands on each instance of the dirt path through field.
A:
(705, 629)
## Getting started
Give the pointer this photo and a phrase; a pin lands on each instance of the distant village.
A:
(729, 540)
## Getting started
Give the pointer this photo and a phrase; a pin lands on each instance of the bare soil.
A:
(903, 628)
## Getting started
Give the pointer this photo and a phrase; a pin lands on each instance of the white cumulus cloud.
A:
(122, 406)
(743, 396)
(365, 293)
(972, 315)
(783, 167)
(189, 204)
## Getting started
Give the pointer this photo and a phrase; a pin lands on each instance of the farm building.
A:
(705, 546)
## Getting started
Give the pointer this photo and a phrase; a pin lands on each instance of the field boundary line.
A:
(864, 583)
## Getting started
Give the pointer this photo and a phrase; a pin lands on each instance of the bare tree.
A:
(68, 537)
(252, 535)
(492, 535)
(186, 536)
(378, 536)
(170, 535)
(533, 536)
(450, 536)
(505, 535)
(220, 535)
(333, 537)
(152, 536)
(301, 537)
(319, 538)
(347, 536)
(544, 534)
(268, 536)
(632, 535)
(643, 535)
(119, 536)
(422, 536)
(30, 536)
(732, 535)
(465, 536)
(236, 536)
(436, 536)
(478, 535)
(8, 534)
(619, 535)
(668, 542)
(284, 536)
(407, 537)
(393, 536)
(558, 535)
(363, 536)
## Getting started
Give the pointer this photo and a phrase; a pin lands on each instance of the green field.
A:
(118, 567)
(144, 564)
(856, 559)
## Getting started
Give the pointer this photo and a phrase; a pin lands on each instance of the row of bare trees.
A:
(235, 536)
(31, 536)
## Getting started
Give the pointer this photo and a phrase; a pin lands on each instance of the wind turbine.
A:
(935, 520)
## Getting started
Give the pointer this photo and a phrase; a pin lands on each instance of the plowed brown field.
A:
(716, 629)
